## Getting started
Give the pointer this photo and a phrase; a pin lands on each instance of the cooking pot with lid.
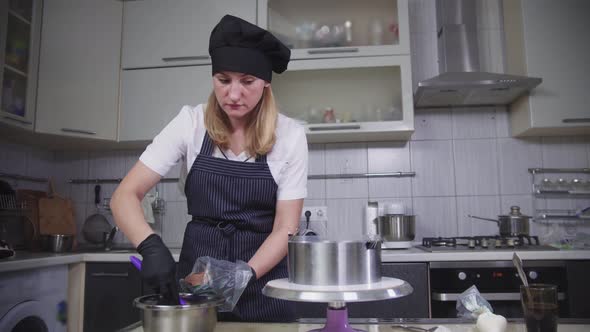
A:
(513, 224)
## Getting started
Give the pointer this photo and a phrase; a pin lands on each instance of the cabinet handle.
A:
(78, 131)
(109, 275)
(576, 120)
(341, 127)
(334, 50)
(452, 297)
(19, 120)
(186, 58)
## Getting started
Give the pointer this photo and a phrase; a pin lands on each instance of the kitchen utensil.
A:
(57, 242)
(96, 224)
(540, 307)
(314, 261)
(137, 263)
(396, 227)
(199, 314)
(415, 328)
(513, 224)
(518, 264)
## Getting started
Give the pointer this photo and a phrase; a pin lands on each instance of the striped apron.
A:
(233, 208)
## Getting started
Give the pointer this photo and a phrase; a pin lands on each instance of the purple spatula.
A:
(137, 263)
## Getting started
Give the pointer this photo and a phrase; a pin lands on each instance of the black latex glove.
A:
(253, 278)
(158, 268)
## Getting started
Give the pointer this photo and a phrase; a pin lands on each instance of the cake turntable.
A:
(337, 297)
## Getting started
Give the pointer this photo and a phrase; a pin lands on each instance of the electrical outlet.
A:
(318, 213)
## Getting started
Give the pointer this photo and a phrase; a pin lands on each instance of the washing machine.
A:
(33, 300)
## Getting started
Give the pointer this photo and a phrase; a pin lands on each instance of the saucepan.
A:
(396, 227)
(57, 242)
(316, 261)
(513, 224)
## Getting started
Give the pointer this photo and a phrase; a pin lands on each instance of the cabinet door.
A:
(338, 28)
(108, 296)
(371, 99)
(79, 68)
(160, 33)
(557, 53)
(20, 29)
(414, 305)
(152, 97)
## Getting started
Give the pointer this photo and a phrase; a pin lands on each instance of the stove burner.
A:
(483, 242)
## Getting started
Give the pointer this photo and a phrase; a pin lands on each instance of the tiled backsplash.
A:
(465, 160)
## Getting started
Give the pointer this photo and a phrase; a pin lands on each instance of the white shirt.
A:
(183, 136)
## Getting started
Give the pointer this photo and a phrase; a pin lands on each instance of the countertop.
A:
(28, 260)
(295, 327)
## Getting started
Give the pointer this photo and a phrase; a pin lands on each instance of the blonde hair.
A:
(260, 130)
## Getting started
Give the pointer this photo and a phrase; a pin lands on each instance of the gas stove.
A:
(482, 243)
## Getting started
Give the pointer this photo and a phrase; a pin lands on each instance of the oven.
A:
(498, 283)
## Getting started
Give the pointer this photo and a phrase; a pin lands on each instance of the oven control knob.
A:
(533, 275)
(462, 276)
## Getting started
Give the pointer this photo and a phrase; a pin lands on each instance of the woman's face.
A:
(237, 93)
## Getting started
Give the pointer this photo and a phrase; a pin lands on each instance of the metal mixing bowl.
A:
(313, 261)
(57, 242)
(198, 315)
(396, 227)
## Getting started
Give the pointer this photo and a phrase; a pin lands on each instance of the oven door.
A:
(26, 316)
(497, 281)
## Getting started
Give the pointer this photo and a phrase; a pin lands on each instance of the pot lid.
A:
(514, 213)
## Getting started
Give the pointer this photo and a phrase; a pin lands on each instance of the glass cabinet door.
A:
(17, 65)
(334, 28)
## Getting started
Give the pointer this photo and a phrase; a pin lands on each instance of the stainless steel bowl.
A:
(57, 242)
(313, 261)
(396, 227)
(198, 315)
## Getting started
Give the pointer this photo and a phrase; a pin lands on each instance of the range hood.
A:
(461, 83)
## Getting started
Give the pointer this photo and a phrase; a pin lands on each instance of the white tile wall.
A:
(435, 216)
(175, 222)
(432, 124)
(476, 167)
(469, 123)
(345, 218)
(480, 206)
(384, 157)
(516, 157)
(346, 158)
(565, 152)
(433, 163)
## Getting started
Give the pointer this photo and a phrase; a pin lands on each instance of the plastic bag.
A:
(226, 279)
(471, 304)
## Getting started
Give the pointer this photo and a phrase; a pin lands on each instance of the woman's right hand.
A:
(158, 268)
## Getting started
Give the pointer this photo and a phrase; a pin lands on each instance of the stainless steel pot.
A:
(396, 227)
(513, 224)
(198, 315)
(57, 242)
(314, 261)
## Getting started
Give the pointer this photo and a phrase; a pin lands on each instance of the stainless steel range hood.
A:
(461, 83)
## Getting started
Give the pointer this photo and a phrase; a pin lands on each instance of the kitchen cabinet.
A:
(79, 68)
(109, 291)
(547, 39)
(20, 28)
(414, 305)
(162, 33)
(370, 98)
(150, 98)
(337, 28)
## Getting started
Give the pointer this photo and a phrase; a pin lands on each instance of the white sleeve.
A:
(293, 179)
(168, 147)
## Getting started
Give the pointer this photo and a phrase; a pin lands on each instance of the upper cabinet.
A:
(20, 26)
(79, 68)
(338, 28)
(548, 39)
(163, 33)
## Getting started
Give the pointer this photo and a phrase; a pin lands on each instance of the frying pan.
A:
(96, 224)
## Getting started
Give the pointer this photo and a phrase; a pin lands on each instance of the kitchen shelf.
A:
(559, 170)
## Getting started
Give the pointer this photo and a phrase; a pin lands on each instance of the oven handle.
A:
(452, 297)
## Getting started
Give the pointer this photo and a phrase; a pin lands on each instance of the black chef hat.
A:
(240, 46)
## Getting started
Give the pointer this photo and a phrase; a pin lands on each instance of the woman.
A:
(247, 173)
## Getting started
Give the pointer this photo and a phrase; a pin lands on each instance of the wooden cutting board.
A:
(56, 216)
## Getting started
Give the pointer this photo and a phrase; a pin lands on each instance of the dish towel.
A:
(146, 205)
